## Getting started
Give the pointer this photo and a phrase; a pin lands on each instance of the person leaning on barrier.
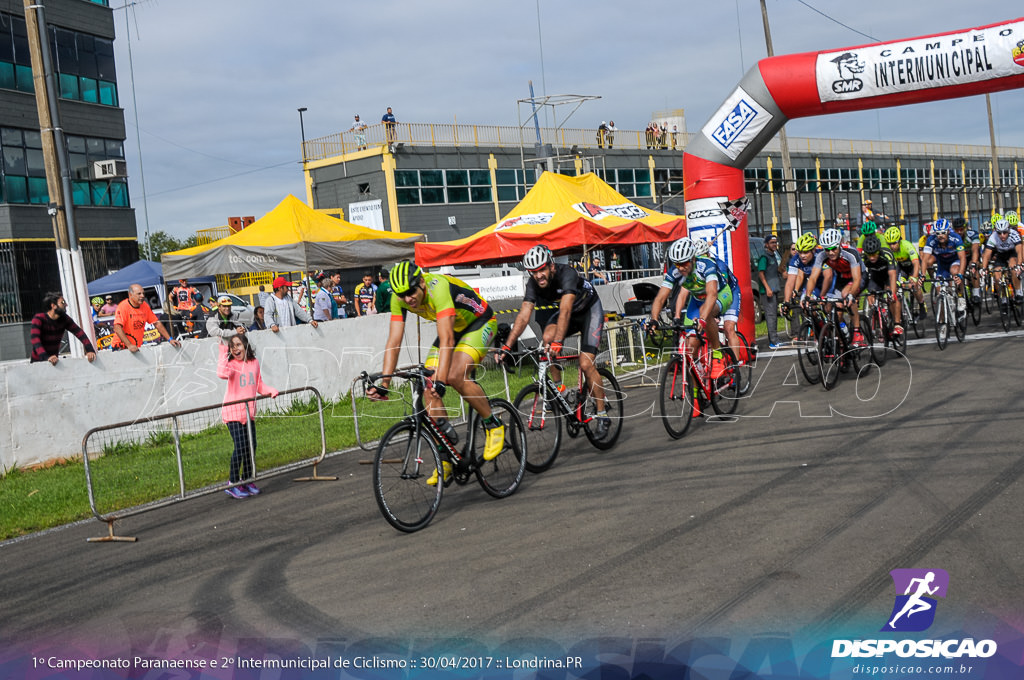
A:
(224, 323)
(48, 328)
(281, 308)
(130, 321)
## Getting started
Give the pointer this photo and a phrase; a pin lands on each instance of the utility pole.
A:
(997, 202)
(787, 165)
(58, 176)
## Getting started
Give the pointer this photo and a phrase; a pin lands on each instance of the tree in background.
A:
(162, 242)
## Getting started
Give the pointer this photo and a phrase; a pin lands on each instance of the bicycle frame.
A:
(549, 388)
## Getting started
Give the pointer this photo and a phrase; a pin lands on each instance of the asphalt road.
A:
(786, 521)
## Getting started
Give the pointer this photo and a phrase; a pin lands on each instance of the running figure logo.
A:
(914, 609)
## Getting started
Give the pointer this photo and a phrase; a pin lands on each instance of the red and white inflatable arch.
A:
(930, 68)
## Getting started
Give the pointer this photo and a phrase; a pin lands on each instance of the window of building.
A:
(84, 63)
(429, 187)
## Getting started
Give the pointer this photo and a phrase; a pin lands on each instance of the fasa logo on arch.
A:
(736, 123)
(916, 593)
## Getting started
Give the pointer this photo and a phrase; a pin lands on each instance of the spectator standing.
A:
(259, 319)
(238, 365)
(388, 119)
(108, 307)
(324, 307)
(770, 285)
(338, 295)
(365, 293)
(48, 328)
(675, 135)
(655, 135)
(649, 134)
(610, 133)
(359, 132)
(615, 265)
(382, 300)
(602, 134)
(282, 310)
(184, 304)
(224, 323)
(130, 321)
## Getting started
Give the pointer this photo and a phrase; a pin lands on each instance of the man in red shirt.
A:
(48, 330)
(131, 318)
(184, 305)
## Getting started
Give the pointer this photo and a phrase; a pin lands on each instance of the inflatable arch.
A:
(929, 68)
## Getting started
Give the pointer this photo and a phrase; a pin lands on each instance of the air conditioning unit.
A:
(110, 169)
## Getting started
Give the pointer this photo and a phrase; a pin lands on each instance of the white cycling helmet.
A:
(1003, 226)
(830, 238)
(703, 247)
(682, 250)
(537, 257)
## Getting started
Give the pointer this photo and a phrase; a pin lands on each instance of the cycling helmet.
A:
(868, 227)
(893, 235)
(941, 226)
(959, 223)
(1002, 226)
(872, 245)
(537, 257)
(830, 238)
(404, 277)
(1012, 218)
(682, 250)
(995, 218)
(701, 247)
(806, 243)
(97, 300)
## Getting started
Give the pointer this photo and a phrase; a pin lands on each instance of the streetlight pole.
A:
(302, 129)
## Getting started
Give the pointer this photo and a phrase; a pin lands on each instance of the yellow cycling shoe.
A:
(448, 469)
(495, 442)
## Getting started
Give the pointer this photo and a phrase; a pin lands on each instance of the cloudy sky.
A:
(218, 84)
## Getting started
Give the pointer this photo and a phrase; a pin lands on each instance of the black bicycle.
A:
(409, 464)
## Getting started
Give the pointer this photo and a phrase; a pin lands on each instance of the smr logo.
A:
(848, 66)
(916, 590)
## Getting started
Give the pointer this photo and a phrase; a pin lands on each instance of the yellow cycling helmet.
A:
(404, 277)
(995, 218)
(97, 300)
(806, 243)
(1012, 218)
(893, 235)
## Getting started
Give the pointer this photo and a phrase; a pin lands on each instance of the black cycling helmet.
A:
(872, 245)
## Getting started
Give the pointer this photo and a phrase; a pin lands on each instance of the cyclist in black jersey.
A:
(574, 306)
(880, 266)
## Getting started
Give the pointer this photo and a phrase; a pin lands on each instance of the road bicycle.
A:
(412, 452)
(1005, 294)
(812, 313)
(912, 320)
(836, 353)
(545, 408)
(878, 317)
(690, 383)
(950, 311)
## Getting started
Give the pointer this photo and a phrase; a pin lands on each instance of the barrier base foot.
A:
(110, 537)
(315, 478)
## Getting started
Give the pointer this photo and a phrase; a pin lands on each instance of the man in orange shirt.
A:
(130, 321)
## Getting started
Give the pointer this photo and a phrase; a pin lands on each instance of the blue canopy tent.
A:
(147, 274)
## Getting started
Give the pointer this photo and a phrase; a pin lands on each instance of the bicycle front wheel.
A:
(878, 334)
(829, 354)
(675, 397)
(807, 353)
(942, 322)
(404, 462)
(542, 423)
(725, 387)
(501, 476)
(613, 398)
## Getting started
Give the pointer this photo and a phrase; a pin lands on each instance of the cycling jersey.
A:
(364, 295)
(878, 271)
(704, 269)
(843, 265)
(970, 237)
(906, 253)
(1000, 245)
(947, 251)
(796, 265)
(183, 298)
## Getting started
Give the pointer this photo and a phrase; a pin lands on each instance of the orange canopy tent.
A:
(563, 213)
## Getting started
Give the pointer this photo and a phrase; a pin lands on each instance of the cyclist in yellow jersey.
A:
(465, 329)
(909, 264)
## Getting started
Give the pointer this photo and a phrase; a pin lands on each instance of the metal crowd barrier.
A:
(181, 427)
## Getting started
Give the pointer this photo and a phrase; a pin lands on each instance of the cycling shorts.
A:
(837, 290)
(473, 340)
(1001, 258)
(587, 322)
(942, 266)
(878, 281)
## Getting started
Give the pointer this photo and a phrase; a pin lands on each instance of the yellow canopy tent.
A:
(291, 237)
(563, 213)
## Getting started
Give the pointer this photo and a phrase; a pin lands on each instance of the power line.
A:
(834, 20)
(221, 179)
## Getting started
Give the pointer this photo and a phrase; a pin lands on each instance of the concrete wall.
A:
(48, 409)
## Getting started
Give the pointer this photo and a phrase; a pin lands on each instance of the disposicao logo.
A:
(914, 610)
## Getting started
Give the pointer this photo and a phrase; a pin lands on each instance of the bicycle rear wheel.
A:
(725, 389)
(404, 462)
(959, 318)
(542, 424)
(877, 336)
(613, 398)
(501, 476)
(807, 353)
(675, 396)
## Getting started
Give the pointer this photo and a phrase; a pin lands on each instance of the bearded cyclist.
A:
(945, 249)
(572, 306)
(465, 329)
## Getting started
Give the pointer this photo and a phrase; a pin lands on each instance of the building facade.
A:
(81, 41)
(449, 181)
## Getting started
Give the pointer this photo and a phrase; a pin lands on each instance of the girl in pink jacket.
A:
(238, 365)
